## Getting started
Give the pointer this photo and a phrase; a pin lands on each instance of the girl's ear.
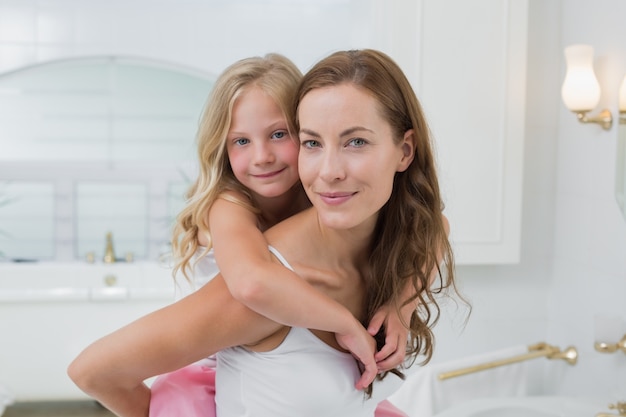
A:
(408, 150)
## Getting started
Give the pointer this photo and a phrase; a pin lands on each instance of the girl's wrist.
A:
(348, 324)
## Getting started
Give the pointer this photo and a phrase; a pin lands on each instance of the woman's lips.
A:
(335, 199)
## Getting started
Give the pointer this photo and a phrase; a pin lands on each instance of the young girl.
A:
(248, 182)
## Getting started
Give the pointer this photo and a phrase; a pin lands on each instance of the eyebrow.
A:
(278, 124)
(346, 132)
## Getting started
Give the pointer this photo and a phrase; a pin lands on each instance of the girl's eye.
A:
(357, 142)
(279, 135)
(241, 141)
(310, 143)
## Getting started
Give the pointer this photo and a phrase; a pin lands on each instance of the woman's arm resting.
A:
(112, 369)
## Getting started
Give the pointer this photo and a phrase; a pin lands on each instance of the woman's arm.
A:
(270, 289)
(112, 369)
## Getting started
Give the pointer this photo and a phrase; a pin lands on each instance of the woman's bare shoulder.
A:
(291, 229)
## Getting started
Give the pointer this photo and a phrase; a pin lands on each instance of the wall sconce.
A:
(581, 90)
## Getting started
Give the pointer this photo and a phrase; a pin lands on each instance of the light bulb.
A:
(580, 90)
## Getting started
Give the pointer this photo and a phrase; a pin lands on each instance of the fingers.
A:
(367, 377)
(390, 356)
(377, 322)
(390, 347)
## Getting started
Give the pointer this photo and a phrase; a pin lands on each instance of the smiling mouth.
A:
(269, 174)
(334, 199)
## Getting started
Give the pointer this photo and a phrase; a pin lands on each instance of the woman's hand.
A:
(363, 347)
(393, 352)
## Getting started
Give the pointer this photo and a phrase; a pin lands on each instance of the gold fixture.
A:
(109, 254)
(110, 280)
(620, 407)
(90, 257)
(604, 119)
(611, 347)
(570, 355)
(581, 90)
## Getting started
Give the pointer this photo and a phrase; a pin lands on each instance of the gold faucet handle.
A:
(611, 347)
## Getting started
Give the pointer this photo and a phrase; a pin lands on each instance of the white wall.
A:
(203, 34)
(574, 238)
(573, 262)
(589, 265)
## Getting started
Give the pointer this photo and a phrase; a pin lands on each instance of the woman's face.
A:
(348, 158)
(262, 153)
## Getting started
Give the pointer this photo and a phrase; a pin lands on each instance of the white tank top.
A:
(302, 377)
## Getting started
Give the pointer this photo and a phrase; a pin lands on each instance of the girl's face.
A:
(348, 158)
(262, 153)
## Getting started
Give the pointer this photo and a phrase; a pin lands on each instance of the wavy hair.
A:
(410, 239)
(275, 75)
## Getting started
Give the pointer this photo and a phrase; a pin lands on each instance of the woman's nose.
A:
(332, 167)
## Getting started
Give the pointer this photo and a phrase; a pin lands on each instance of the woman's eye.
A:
(241, 141)
(310, 143)
(357, 142)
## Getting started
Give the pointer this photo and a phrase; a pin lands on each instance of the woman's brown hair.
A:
(411, 237)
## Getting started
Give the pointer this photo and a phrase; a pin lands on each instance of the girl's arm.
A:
(112, 369)
(270, 289)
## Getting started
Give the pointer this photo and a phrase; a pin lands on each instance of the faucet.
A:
(620, 407)
(109, 254)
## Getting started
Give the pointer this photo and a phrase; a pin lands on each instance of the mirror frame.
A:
(620, 165)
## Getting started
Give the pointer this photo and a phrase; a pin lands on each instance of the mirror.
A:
(95, 145)
(620, 165)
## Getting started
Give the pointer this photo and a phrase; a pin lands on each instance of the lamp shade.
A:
(580, 90)
(622, 96)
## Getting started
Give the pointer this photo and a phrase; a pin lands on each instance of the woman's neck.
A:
(341, 245)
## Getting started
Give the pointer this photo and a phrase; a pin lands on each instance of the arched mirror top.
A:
(106, 108)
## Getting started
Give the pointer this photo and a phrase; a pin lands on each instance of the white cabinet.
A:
(49, 312)
(467, 62)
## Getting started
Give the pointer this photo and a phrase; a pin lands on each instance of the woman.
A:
(367, 166)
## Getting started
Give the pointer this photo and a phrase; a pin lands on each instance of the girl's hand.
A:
(393, 352)
(363, 347)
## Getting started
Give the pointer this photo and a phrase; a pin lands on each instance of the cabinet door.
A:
(467, 63)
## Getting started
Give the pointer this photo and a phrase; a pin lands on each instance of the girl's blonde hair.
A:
(275, 75)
